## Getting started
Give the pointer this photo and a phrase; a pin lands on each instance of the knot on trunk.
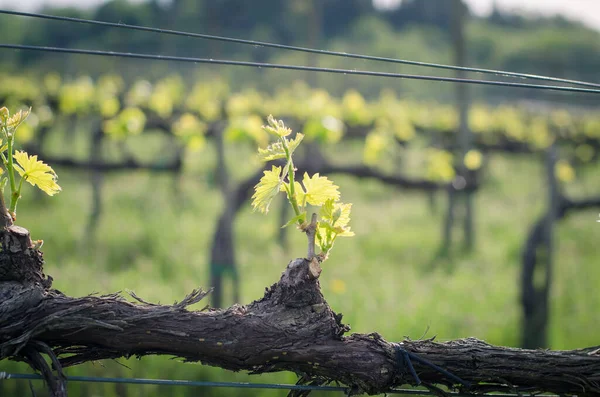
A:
(20, 260)
(298, 287)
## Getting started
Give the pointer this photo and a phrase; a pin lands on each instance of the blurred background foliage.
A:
(416, 30)
(182, 138)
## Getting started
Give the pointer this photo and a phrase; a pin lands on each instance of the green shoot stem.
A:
(292, 192)
(14, 197)
(293, 189)
(18, 194)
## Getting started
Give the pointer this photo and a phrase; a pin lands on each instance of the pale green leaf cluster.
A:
(190, 130)
(334, 223)
(130, 121)
(277, 150)
(315, 190)
(277, 127)
(29, 168)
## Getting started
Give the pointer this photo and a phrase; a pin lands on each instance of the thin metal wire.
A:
(243, 385)
(295, 67)
(301, 49)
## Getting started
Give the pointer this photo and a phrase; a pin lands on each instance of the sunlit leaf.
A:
(274, 151)
(327, 209)
(293, 144)
(338, 214)
(277, 127)
(267, 188)
(16, 119)
(36, 172)
(4, 114)
(341, 215)
(319, 189)
(343, 231)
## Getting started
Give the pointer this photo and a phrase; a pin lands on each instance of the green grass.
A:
(156, 242)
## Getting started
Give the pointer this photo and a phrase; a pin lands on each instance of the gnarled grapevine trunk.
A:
(291, 328)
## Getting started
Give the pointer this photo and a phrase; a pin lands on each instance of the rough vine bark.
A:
(291, 328)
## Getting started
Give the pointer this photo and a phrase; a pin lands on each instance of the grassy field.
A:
(155, 242)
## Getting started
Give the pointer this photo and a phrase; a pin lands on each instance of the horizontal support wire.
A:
(300, 49)
(245, 385)
(295, 67)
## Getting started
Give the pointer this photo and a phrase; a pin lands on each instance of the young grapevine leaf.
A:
(267, 188)
(337, 214)
(343, 231)
(4, 114)
(276, 150)
(277, 127)
(319, 189)
(294, 143)
(327, 210)
(37, 173)
(16, 119)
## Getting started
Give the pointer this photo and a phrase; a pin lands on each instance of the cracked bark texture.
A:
(291, 328)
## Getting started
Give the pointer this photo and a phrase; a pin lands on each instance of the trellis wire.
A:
(294, 67)
(246, 385)
(300, 49)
